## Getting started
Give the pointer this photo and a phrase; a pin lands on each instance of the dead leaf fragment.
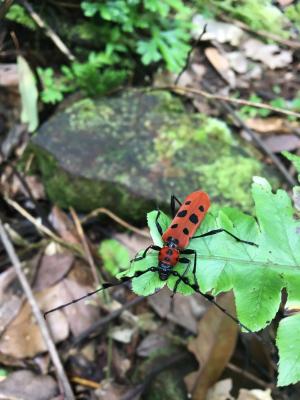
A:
(9, 75)
(150, 343)
(280, 143)
(186, 309)
(269, 54)
(215, 30)
(213, 347)
(25, 385)
(255, 394)
(64, 226)
(133, 242)
(122, 334)
(220, 391)
(221, 64)
(238, 62)
(268, 125)
(52, 269)
(23, 338)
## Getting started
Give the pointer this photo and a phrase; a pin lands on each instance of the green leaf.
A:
(288, 343)
(149, 51)
(115, 256)
(18, 14)
(29, 95)
(256, 275)
(294, 159)
(52, 90)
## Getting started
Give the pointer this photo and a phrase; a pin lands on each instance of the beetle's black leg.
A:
(159, 228)
(173, 210)
(194, 253)
(216, 231)
(104, 286)
(152, 246)
(212, 300)
(183, 261)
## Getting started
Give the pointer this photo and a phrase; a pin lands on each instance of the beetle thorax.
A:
(169, 255)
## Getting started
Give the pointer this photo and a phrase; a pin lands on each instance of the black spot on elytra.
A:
(201, 208)
(174, 226)
(166, 259)
(170, 252)
(187, 203)
(182, 213)
(194, 219)
(186, 231)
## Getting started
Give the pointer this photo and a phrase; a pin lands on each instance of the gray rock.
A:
(133, 150)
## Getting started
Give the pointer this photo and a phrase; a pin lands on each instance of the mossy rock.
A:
(131, 151)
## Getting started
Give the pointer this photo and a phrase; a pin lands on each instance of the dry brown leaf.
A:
(215, 30)
(36, 187)
(9, 308)
(52, 269)
(269, 54)
(81, 315)
(255, 394)
(269, 125)
(280, 143)
(186, 309)
(213, 347)
(23, 338)
(237, 61)
(220, 390)
(9, 75)
(9, 302)
(64, 226)
(122, 333)
(221, 65)
(153, 341)
(25, 385)
(134, 242)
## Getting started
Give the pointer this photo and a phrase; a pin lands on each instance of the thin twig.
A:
(99, 325)
(61, 375)
(186, 90)
(4, 7)
(250, 376)
(40, 211)
(43, 229)
(114, 217)
(187, 61)
(85, 245)
(286, 42)
(48, 31)
(86, 382)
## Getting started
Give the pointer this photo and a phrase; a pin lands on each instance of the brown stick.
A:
(60, 372)
(293, 44)
(119, 220)
(85, 246)
(41, 228)
(185, 90)
(48, 31)
(4, 8)
(98, 325)
(250, 376)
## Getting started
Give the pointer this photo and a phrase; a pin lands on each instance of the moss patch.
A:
(133, 150)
